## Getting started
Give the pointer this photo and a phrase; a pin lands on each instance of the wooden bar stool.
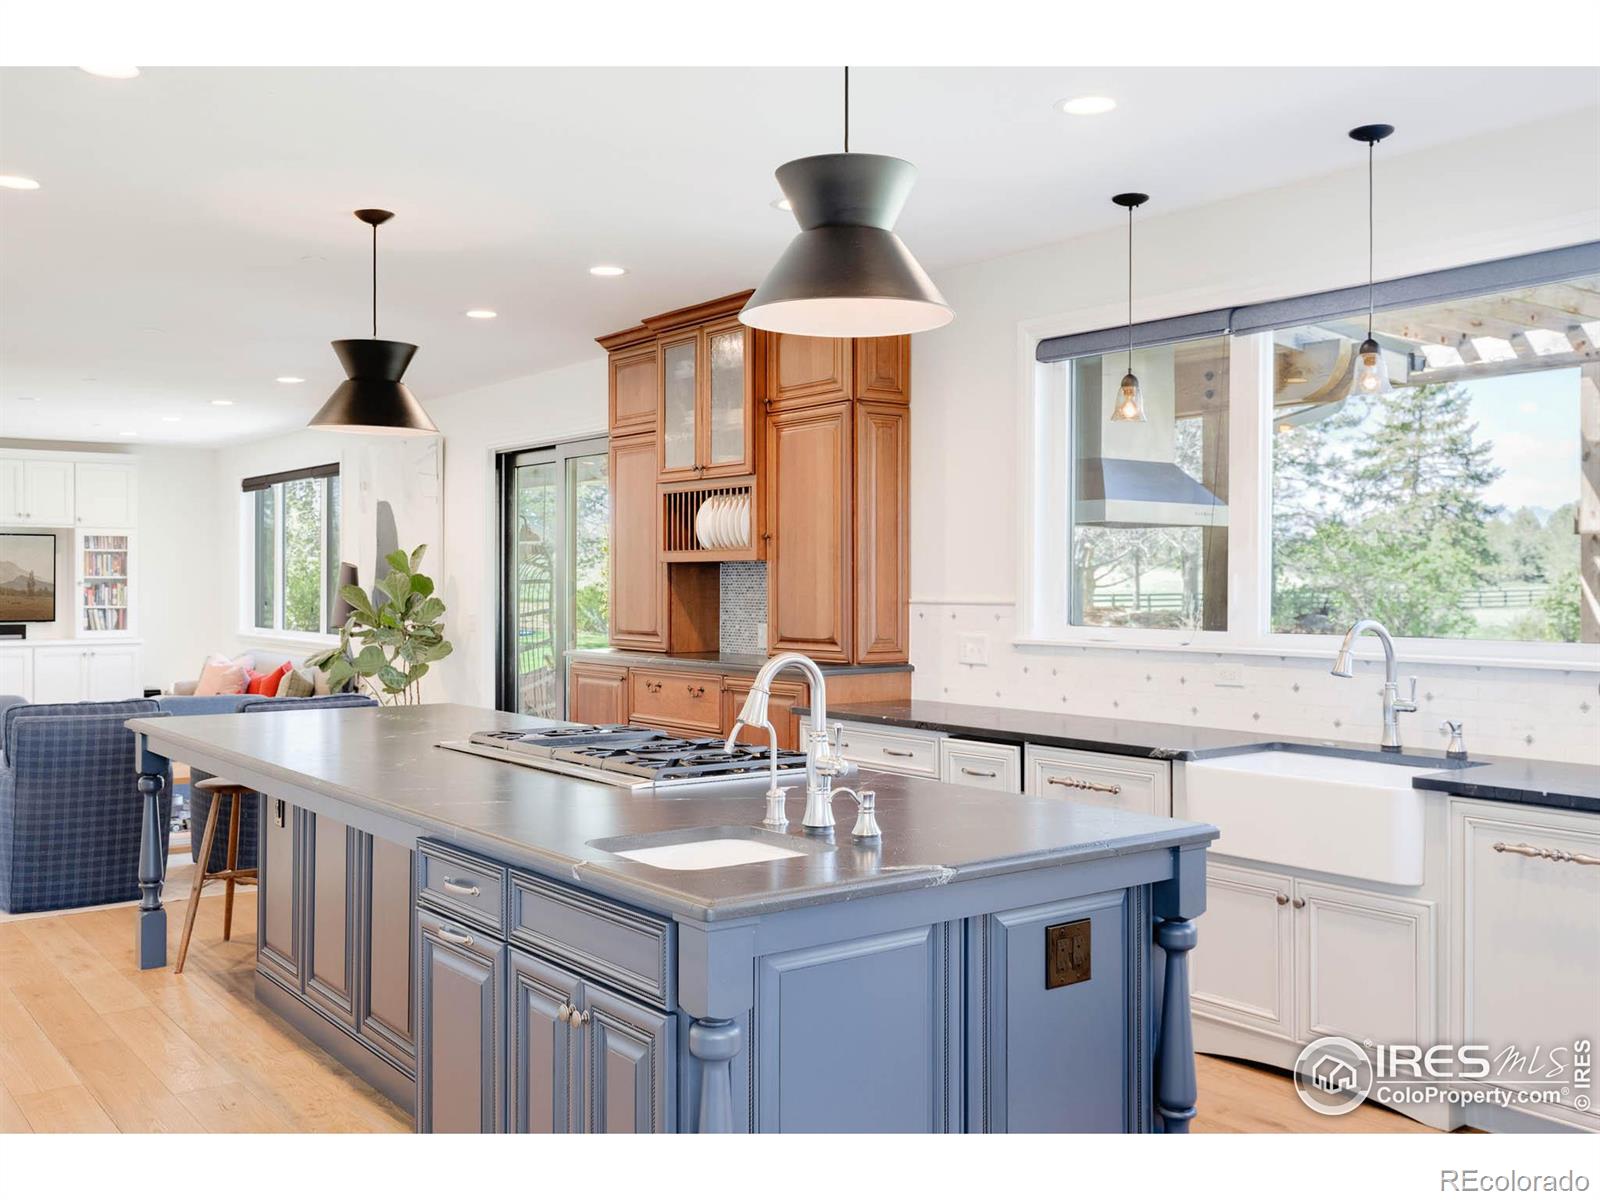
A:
(234, 793)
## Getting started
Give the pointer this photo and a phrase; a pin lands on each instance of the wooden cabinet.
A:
(786, 696)
(638, 576)
(1113, 780)
(678, 699)
(597, 694)
(882, 533)
(810, 562)
(707, 423)
(803, 371)
(329, 898)
(460, 1061)
(634, 390)
(883, 369)
(1524, 893)
(386, 931)
(544, 1066)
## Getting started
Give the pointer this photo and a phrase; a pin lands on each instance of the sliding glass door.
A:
(554, 569)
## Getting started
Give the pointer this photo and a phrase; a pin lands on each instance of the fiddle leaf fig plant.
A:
(387, 648)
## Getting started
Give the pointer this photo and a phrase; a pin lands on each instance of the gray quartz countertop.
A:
(386, 763)
(747, 664)
(1518, 781)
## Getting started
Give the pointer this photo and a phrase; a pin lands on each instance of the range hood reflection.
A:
(1131, 492)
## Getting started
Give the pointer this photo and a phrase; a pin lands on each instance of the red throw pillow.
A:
(267, 685)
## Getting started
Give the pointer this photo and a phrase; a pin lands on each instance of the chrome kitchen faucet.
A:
(1392, 704)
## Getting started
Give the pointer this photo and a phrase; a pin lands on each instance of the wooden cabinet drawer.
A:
(898, 751)
(1132, 784)
(981, 764)
(598, 938)
(785, 694)
(680, 698)
(463, 886)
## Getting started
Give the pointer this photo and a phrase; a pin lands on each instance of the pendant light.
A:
(846, 273)
(1130, 397)
(1372, 372)
(372, 399)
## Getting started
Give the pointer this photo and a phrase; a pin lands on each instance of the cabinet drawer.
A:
(676, 698)
(463, 886)
(1133, 784)
(598, 938)
(898, 751)
(981, 764)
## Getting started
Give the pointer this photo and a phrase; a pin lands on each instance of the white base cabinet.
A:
(61, 674)
(1246, 973)
(989, 765)
(1113, 780)
(1525, 887)
(16, 671)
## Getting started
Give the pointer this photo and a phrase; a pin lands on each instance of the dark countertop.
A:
(381, 768)
(738, 664)
(1515, 780)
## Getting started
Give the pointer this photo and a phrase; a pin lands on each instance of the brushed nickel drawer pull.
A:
(460, 889)
(1546, 852)
(978, 774)
(1085, 785)
(898, 753)
(460, 939)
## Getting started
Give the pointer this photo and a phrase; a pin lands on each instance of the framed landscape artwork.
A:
(27, 577)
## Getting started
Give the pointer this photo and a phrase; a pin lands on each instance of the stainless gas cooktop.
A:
(628, 756)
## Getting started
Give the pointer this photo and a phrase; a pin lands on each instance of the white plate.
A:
(702, 523)
(724, 522)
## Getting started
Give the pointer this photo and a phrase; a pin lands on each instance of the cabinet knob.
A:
(1299, 901)
(1281, 899)
(576, 1019)
(563, 1011)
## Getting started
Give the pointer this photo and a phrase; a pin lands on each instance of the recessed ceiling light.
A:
(608, 271)
(782, 204)
(19, 183)
(482, 314)
(112, 72)
(223, 403)
(290, 379)
(171, 420)
(127, 433)
(1087, 106)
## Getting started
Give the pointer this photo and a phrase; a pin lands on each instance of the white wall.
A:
(554, 406)
(1517, 190)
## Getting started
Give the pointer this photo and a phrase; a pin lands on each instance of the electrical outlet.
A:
(975, 649)
(1228, 675)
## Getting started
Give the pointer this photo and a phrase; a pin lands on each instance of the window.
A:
(293, 556)
(555, 569)
(1458, 507)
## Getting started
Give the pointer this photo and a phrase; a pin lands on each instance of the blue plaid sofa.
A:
(200, 800)
(69, 804)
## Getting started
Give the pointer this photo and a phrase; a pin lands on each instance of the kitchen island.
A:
(994, 963)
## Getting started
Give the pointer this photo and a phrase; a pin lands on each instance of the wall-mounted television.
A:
(27, 577)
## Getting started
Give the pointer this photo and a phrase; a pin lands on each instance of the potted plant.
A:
(398, 639)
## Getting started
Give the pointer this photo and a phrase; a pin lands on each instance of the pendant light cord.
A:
(1371, 146)
(1130, 289)
(847, 110)
(374, 282)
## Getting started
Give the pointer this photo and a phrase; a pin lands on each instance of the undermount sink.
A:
(1344, 813)
(708, 848)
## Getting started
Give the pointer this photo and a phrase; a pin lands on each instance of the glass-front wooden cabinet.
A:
(706, 422)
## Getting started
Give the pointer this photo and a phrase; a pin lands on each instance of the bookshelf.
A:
(104, 590)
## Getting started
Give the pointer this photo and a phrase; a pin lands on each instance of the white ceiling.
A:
(191, 239)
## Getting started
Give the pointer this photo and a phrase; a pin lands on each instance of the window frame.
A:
(1044, 566)
(327, 476)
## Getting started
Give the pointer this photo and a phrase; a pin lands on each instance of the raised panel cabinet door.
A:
(278, 907)
(112, 673)
(803, 371)
(786, 696)
(330, 859)
(883, 533)
(16, 673)
(386, 1013)
(597, 694)
(629, 1061)
(1243, 966)
(546, 1082)
(1529, 970)
(10, 489)
(60, 674)
(883, 369)
(47, 492)
(460, 1034)
(678, 423)
(638, 576)
(809, 560)
(106, 495)
(1346, 939)
(634, 390)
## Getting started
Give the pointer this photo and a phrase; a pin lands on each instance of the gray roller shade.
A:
(1146, 333)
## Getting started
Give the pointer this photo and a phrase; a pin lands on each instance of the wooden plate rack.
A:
(680, 504)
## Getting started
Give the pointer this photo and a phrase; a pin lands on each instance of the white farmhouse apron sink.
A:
(1316, 812)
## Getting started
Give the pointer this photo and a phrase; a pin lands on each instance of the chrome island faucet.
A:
(1392, 704)
(823, 759)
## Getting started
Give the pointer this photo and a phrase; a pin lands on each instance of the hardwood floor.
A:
(89, 1044)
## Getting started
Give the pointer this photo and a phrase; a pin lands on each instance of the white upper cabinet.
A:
(107, 495)
(35, 491)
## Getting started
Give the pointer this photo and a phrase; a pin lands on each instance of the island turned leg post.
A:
(151, 932)
(714, 1044)
(1176, 1087)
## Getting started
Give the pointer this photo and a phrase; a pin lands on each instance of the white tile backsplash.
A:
(1546, 714)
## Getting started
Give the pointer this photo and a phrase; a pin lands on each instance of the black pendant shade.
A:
(372, 399)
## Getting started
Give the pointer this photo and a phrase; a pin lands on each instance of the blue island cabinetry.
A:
(1018, 1002)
